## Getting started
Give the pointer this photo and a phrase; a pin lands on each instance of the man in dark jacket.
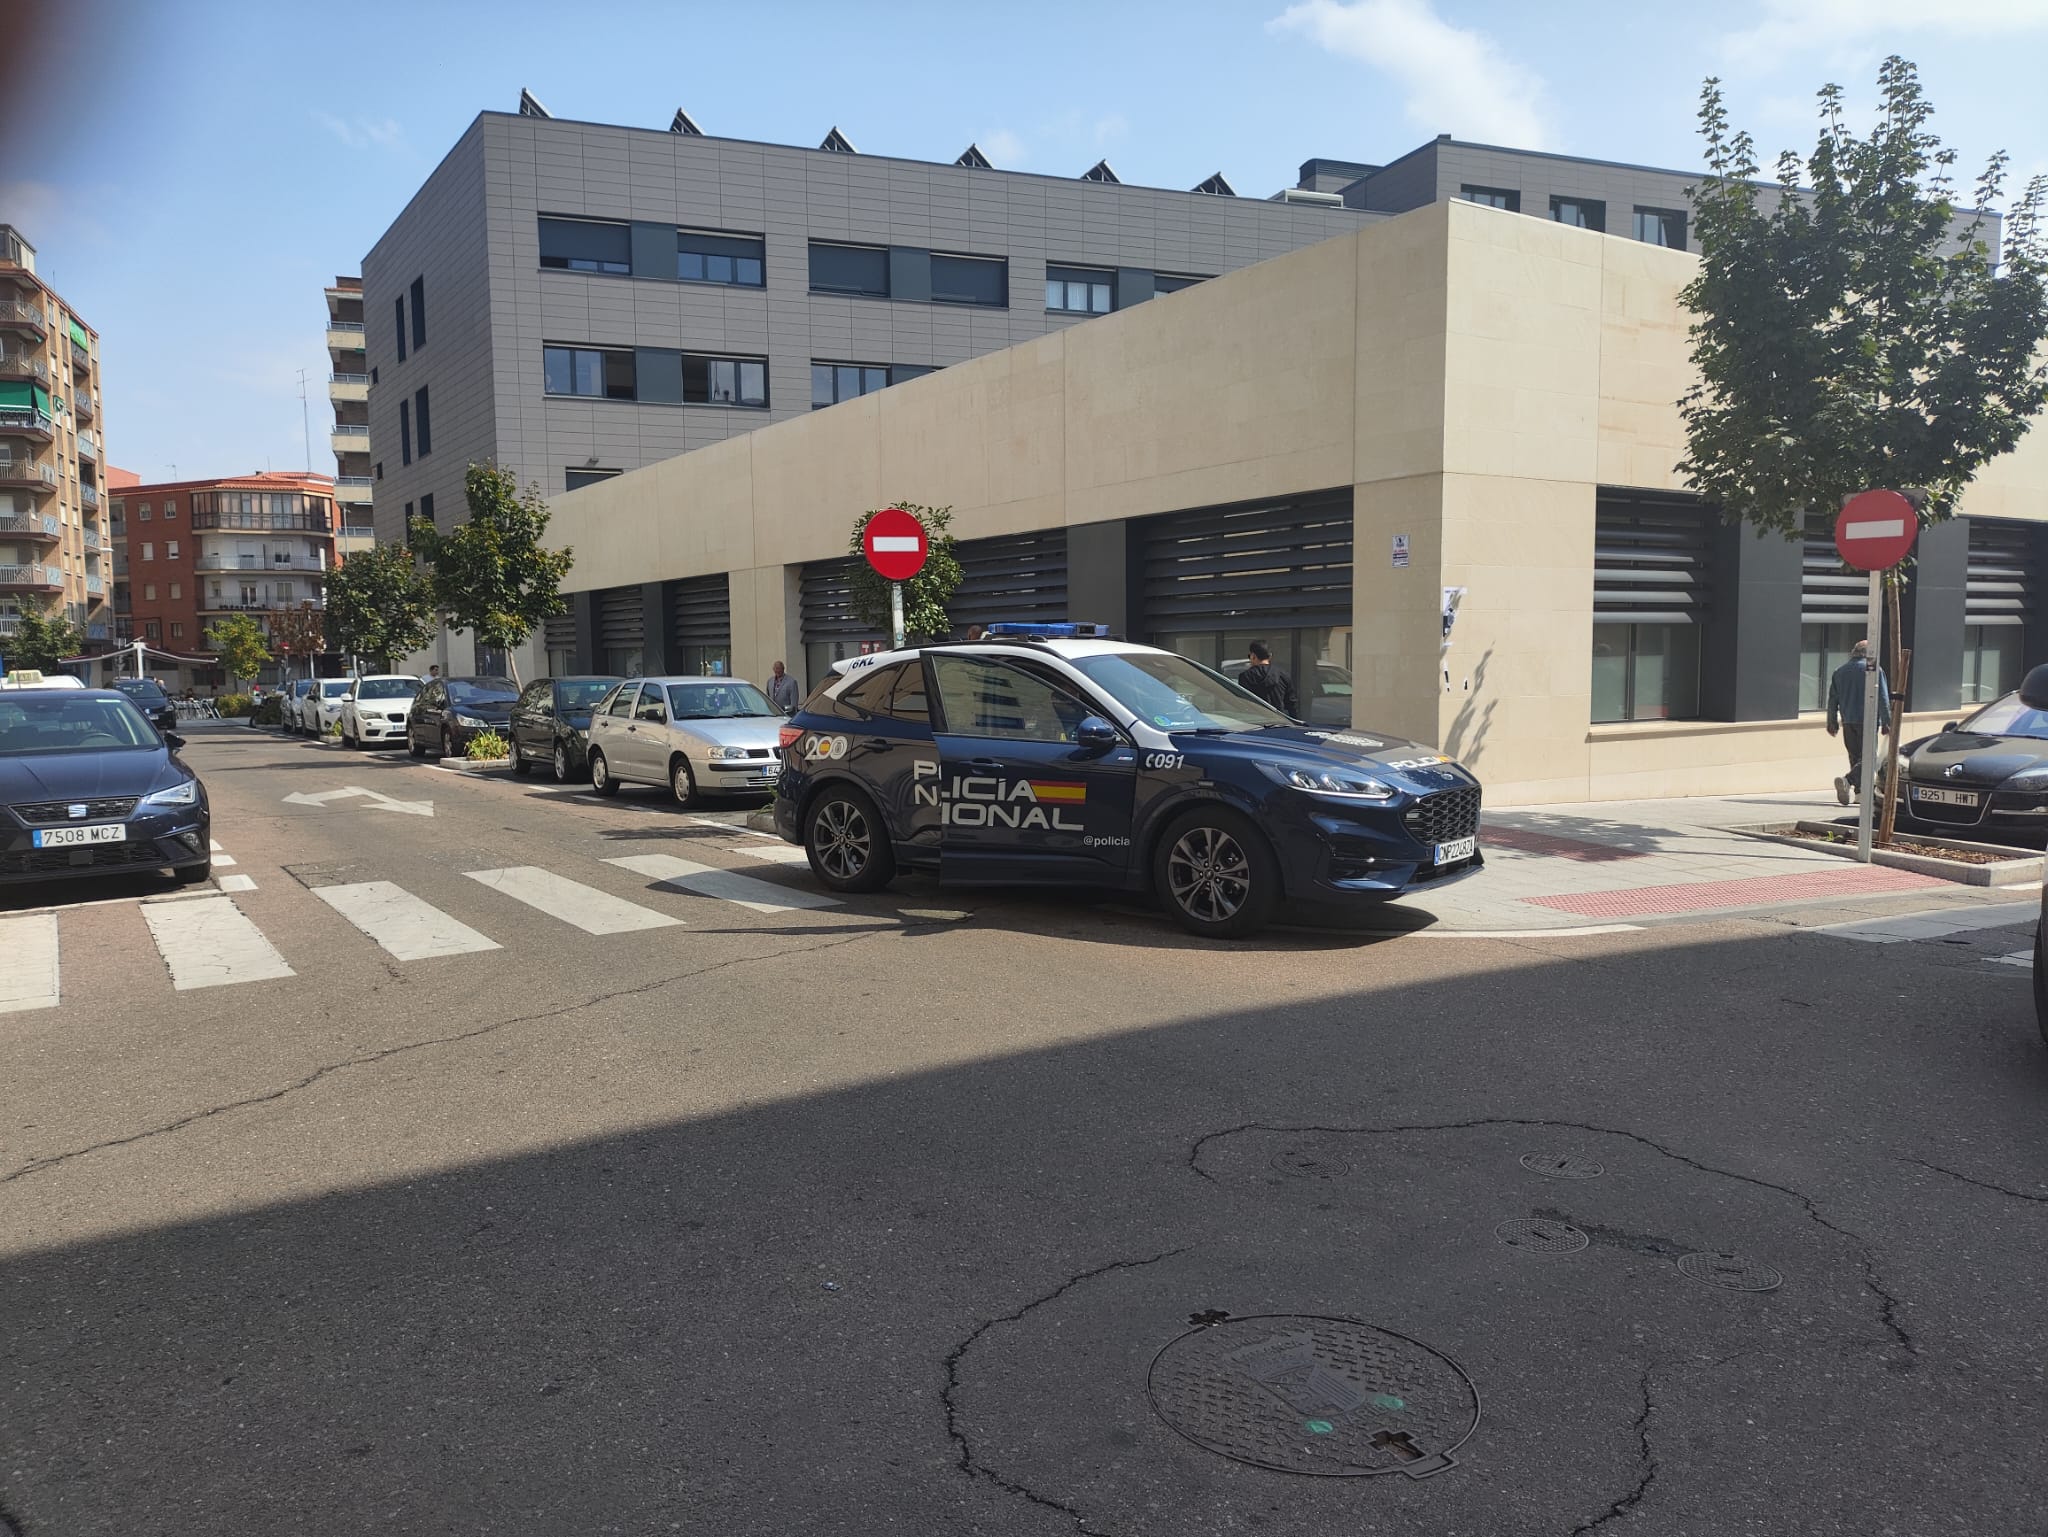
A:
(1269, 682)
(1845, 709)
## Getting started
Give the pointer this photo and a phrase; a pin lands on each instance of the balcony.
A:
(30, 525)
(258, 606)
(22, 317)
(88, 446)
(82, 404)
(10, 624)
(26, 474)
(227, 560)
(26, 422)
(97, 630)
(94, 586)
(31, 579)
(265, 522)
(344, 336)
(89, 495)
(24, 365)
(92, 539)
(348, 386)
(350, 439)
(352, 490)
(80, 358)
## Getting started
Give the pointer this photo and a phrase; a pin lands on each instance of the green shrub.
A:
(270, 712)
(487, 745)
(235, 706)
(333, 729)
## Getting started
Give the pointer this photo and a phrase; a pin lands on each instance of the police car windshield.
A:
(717, 701)
(1174, 694)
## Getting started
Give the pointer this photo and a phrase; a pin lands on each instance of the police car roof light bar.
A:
(1049, 631)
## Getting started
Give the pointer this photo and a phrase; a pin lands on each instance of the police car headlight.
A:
(1326, 781)
(728, 752)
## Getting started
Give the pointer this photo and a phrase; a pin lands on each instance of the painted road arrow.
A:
(382, 802)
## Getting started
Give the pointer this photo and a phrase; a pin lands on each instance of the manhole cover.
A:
(1303, 1163)
(1541, 1235)
(1562, 1166)
(1302, 1394)
(1731, 1271)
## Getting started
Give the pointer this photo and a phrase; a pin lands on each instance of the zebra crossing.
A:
(206, 940)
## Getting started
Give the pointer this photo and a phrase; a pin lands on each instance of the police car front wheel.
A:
(1216, 874)
(847, 844)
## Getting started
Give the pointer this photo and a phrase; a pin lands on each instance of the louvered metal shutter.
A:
(1259, 564)
(1651, 561)
(700, 612)
(1830, 592)
(2000, 584)
(621, 622)
(1017, 579)
(825, 601)
(558, 632)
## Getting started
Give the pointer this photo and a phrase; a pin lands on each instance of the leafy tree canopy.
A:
(492, 575)
(378, 605)
(240, 643)
(925, 595)
(41, 641)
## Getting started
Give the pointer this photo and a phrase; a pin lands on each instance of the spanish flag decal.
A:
(1059, 792)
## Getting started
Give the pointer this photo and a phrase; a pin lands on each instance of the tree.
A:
(298, 632)
(1849, 336)
(41, 641)
(492, 575)
(240, 644)
(925, 595)
(378, 605)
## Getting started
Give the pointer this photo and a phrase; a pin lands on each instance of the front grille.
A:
(396, 720)
(103, 856)
(1444, 817)
(111, 808)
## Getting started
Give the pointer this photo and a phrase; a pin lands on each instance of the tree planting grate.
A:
(1562, 1166)
(1541, 1235)
(1730, 1271)
(1323, 1396)
(1306, 1163)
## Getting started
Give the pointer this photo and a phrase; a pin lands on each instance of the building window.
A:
(151, 630)
(1077, 291)
(588, 371)
(177, 631)
(983, 280)
(576, 480)
(373, 376)
(149, 592)
(177, 591)
(1998, 599)
(171, 550)
(408, 514)
(405, 432)
(1991, 661)
(1493, 197)
(1652, 568)
(419, 315)
(732, 259)
(120, 508)
(724, 381)
(427, 507)
(1579, 212)
(1661, 226)
(585, 245)
(850, 269)
(401, 328)
(834, 382)
(422, 422)
(1169, 283)
(170, 508)
(1822, 649)
(149, 552)
(142, 513)
(1646, 672)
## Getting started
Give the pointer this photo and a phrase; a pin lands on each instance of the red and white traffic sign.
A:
(895, 544)
(1876, 529)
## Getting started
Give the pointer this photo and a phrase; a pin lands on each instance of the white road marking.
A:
(2017, 958)
(235, 882)
(781, 854)
(583, 907)
(1577, 933)
(378, 801)
(28, 963)
(411, 929)
(209, 943)
(214, 844)
(733, 827)
(222, 861)
(726, 885)
(1937, 923)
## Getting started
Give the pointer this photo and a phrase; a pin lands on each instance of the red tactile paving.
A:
(1549, 843)
(1751, 891)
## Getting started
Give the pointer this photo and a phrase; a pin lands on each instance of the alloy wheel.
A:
(845, 842)
(561, 764)
(1208, 874)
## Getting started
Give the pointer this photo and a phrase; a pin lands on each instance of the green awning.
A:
(17, 397)
(78, 335)
(42, 401)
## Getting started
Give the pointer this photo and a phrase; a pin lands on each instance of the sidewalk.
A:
(1551, 868)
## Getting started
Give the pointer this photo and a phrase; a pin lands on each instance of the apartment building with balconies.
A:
(348, 390)
(56, 554)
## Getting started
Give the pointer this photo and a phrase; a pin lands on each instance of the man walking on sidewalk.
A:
(782, 690)
(1845, 709)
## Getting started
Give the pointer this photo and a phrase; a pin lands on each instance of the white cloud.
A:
(1838, 27)
(1452, 79)
(362, 132)
(1004, 149)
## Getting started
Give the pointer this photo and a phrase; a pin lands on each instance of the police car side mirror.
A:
(2034, 689)
(1097, 734)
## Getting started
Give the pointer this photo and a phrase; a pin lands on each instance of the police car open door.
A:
(1019, 795)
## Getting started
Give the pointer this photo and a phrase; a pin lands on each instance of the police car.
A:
(1051, 754)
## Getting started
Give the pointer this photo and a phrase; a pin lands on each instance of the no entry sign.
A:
(1876, 529)
(895, 544)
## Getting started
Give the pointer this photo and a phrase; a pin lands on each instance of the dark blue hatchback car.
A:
(1097, 762)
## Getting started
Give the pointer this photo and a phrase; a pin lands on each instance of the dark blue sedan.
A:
(1100, 763)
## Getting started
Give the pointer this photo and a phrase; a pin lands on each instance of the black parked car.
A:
(551, 725)
(448, 712)
(147, 695)
(89, 787)
(1987, 774)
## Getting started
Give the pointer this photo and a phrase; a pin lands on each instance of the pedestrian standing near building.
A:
(783, 692)
(1845, 709)
(1269, 682)
(434, 673)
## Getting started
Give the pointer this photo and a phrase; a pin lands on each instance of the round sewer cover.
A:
(1562, 1166)
(1298, 1393)
(1541, 1235)
(1304, 1163)
(1730, 1271)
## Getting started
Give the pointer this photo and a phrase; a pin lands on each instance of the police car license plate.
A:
(1457, 849)
(1945, 797)
(69, 837)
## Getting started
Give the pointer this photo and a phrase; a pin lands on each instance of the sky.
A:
(197, 172)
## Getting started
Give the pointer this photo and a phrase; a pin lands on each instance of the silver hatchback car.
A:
(699, 736)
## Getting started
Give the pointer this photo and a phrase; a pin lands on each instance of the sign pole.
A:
(1866, 790)
(896, 612)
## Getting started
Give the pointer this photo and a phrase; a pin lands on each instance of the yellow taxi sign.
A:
(24, 677)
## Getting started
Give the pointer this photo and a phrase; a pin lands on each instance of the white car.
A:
(321, 707)
(30, 678)
(373, 709)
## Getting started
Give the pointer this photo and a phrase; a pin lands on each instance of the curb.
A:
(2012, 870)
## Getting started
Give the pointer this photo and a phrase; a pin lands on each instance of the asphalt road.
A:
(942, 1212)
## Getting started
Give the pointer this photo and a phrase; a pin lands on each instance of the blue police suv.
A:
(1056, 758)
